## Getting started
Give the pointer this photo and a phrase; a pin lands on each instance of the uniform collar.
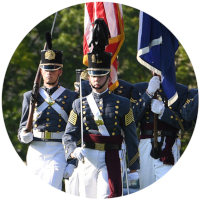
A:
(50, 91)
(101, 95)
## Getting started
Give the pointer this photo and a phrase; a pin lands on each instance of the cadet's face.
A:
(51, 77)
(98, 81)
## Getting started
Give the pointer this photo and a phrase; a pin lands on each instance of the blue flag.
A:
(156, 51)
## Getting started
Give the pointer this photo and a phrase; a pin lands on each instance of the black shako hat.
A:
(99, 61)
(51, 60)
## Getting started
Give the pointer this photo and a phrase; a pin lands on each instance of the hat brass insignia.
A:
(93, 58)
(50, 55)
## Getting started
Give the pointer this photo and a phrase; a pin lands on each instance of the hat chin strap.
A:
(54, 82)
(98, 88)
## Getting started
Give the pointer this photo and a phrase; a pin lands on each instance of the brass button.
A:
(140, 100)
(35, 125)
(172, 117)
(100, 102)
(160, 90)
(60, 120)
(100, 108)
(48, 113)
(47, 119)
(47, 125)
(63, 102)
(59, 125)
(117, 107)
(87, 128)
(113, 133)
(65, 96)
(118, 101)
(58, 131)
(115, 117)
(115, 123)
(62, 108)
(84, 112)
(116, 112)
(59, 114)
(83, 106)
(49, 107)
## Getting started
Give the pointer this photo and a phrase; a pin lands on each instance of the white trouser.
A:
(47, 160)
(72, 184)
(93, 179)
(153, 169)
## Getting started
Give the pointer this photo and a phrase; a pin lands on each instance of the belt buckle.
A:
(100, 146)
(47, 135)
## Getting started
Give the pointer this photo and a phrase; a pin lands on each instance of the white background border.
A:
(19, 17)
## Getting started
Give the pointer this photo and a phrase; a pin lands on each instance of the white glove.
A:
(154, 85)
(157, 106)
(132, 178)
(26, 137)
(68, 170)
(79, 153)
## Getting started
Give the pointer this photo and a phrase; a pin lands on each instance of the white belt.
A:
(48, 135)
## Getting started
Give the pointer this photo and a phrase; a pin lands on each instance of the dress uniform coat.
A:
(169, 126)
(45, 154)
(190, 108)
(123, 89)
(117, 115)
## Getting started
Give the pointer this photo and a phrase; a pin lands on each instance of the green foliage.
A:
(68, 36)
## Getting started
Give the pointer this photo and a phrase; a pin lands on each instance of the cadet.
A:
(190, 108)
(45, 155)
(169, 124)
(104, 115)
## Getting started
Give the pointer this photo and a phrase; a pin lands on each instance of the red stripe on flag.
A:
(90, 9)
(100, 11)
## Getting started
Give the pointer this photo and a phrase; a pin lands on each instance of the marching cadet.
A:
(153, 165)
(104, 115)
(46, 156)
(190, 108)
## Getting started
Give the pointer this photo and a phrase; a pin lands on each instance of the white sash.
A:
(55, 106)
(95, 110)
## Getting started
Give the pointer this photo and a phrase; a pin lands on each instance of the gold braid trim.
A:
(79, 142)
(72, 117)
(134, 159)
(179, 121)
(133, 100)
(129, 118)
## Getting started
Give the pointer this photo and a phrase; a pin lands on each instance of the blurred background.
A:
(68, 36)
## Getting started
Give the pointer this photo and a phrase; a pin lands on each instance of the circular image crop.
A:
(100, 100)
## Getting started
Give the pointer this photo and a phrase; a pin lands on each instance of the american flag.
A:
(113, 16)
